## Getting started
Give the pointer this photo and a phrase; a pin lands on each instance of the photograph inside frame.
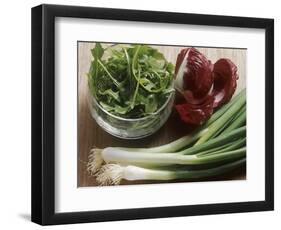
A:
(160, 114)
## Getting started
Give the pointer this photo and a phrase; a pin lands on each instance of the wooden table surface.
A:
(90, 134)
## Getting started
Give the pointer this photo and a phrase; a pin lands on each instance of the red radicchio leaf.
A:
(225, 77)
(196, 114)
(205, 87)
(194, 76)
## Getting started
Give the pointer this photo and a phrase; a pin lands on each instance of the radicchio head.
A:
(204, 86)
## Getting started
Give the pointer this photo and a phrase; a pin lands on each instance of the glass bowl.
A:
(130, 128)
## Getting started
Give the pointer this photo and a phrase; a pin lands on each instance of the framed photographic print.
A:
(143, 114)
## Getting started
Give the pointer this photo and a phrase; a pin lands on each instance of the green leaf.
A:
(98, 51)
(111, 93)
(155, 63)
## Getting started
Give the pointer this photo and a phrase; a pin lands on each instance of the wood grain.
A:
(90, 134)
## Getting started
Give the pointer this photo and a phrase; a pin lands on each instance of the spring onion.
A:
(99, 156)
(163, 159)
(112, 174)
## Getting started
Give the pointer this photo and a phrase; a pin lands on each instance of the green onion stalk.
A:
(113, 174)
(187, 156)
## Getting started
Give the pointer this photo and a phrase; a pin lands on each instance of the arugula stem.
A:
(111, 77)
(134, 61)
(131, 81)
(136, 91)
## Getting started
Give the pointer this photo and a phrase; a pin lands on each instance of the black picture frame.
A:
(43, 114)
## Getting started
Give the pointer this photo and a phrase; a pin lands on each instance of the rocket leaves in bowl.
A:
(130, 81)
